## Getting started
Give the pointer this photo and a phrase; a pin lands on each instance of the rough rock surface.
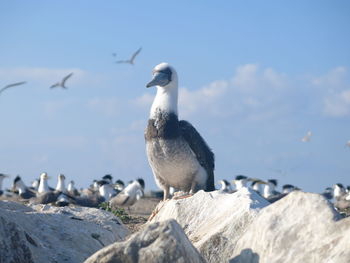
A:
(159, 242)
(302, 227)
(44, 233)
(213, 221)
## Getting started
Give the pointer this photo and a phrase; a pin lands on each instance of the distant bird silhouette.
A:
(62, 82)
(12, 85)
(347, 144)
(307, 137)
(131, 60)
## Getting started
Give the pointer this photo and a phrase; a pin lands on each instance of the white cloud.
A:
(338, 105)
(260, 94)
(333, 80)
(53, 107)
(144, 101)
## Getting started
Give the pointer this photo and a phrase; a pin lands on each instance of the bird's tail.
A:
(210, 182)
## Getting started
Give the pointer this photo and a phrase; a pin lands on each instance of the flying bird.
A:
(131, 60)
(177, 153)
(347, 144)
(12, 85)
(307, 137)
(62, 82)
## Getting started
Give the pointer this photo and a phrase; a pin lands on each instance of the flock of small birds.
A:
(117, 194)
(62, 83)
(338, 195)
(307, 138)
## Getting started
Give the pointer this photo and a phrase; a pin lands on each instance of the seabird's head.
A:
(272, 182)
(224, 183)
(119, 185)
(287, 188)
(348, 189)
(120, 182)
(108, 177)
(163, 75)
(141, 182)
(61, 177)
(241, 177)
(44, 176)
(3, 176)
(338, 190)
(18, 178)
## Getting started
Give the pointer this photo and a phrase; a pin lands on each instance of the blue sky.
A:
(255, 77)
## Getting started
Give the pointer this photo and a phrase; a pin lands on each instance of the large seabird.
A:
(178, 155)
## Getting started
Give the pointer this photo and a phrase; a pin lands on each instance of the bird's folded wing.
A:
(200, 148)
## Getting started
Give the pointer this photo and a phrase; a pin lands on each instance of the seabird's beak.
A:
(159, 79)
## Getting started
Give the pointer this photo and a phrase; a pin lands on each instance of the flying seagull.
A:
(347, 144)
(131, 60)
(62, 83)
(12, 85)
(307, 137)
(177, 153)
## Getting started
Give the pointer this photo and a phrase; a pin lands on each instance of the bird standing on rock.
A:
(177, 153)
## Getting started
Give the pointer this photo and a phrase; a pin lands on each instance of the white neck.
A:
(60, 185)
(223, 186)
(70, 187)
(268, 189)
(165, 100)
(338, 192)
(240, 184)
(257, 187)
(43, 186)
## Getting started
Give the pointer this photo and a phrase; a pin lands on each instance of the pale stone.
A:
(160, 242)
(213, 221)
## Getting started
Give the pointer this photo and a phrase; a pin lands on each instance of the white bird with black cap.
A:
(177, 153)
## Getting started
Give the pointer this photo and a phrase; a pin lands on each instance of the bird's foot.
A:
(156, 210)
(181, 195)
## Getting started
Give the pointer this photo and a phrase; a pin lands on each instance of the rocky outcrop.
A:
(44, 233)
(213, 221)
(302, 227)
(159, 242)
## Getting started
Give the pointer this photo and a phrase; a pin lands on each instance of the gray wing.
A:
(122, 61)
(135, 54)
(204, 154)
(55, 85)
(65, 78)
(12, 85)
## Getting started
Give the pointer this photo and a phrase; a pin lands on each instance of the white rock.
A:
(301, 227)
(213, 221)
(160, 242)
(52, 234)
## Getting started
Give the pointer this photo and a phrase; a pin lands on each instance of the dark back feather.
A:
(204, 154)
